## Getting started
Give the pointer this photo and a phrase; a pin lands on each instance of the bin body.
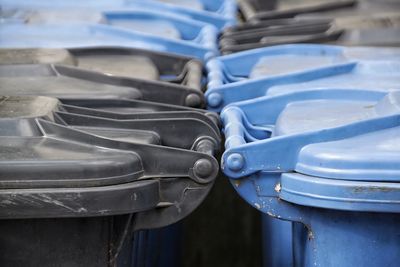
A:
(72, 195)
(342, 238)
(65, 242)
(158, 247)
(326, 164)
(277, 242)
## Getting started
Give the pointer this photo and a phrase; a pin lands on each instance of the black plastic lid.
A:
(61, 160)
(70, 83)
(116, 61)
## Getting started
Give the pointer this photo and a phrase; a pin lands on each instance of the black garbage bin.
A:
(75, 186)
(105, 72)
(362, 22)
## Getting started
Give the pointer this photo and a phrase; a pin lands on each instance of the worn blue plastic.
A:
(16, 35)
(276, 242)
(225, 16)
(373, 75)
(339, 150)
(226, 8)
(151, 22)
(286, 59)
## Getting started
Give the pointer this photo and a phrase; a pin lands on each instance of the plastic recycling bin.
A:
(83, 35)
(88, 175)
(326, 160)
(330, 9)
(225, 8)
(261, 34)
(132, 63)
(376, 30)
(359, 22)
(60, 81)
(226, 16)
(227, 75)
(279, 9)
(285, 59)
(82, 88)
(373, 75)
(150, 22)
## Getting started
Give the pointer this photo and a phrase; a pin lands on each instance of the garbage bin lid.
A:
(285, 59)
(370, 157)
(225, 16)
(150, 22)
(308, 57)
(47, 80)
(364, 75)
(121, 65)
(132, 63)
(372, 30)
(371, 37)
(374, 75)
(319, 113)
(293, 121)
(71, 82)
(335, 149)
(165, 25)
(31, 161)
(189, 4)
(327, 9)
(60, 160)
(364, 8)
(366, 168)
(153, 26)
(78, 35)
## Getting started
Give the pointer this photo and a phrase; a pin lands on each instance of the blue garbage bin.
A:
(221, 19)
(150, 22)
(224, 8)
(327, 160)
(286, 59)
(358, 73)
(79, 35)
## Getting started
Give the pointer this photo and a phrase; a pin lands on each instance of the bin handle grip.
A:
(156, 160)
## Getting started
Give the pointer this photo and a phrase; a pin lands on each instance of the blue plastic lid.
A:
(88, 35)
(381, 75)
(291, 58)
(197, 5)
(295, 60)
(361, 173)
(143, 21)
(374, 157)
(336, 149)
(374, 75)
(156, 27)
(312, 115)
(267, 134)
(287, 63)
(224, 15)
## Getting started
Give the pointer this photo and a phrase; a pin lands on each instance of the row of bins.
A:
(104, 136)
(104, 141)
(312, 130)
